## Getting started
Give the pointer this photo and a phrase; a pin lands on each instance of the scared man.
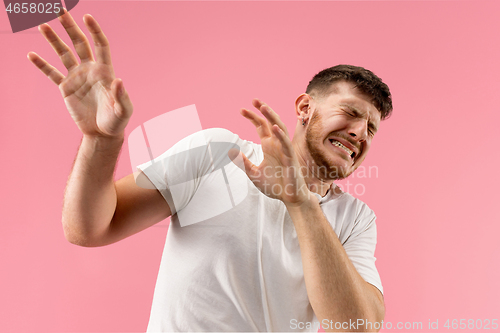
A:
(295, 250)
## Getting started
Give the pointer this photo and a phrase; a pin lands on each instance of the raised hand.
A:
(95, 98)
(279, 175)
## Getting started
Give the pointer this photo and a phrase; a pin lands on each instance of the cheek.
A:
(336, 122)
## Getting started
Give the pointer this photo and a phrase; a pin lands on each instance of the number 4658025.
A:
(478, 324)
(33, 7)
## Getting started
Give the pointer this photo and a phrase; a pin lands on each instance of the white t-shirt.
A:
(232, 260)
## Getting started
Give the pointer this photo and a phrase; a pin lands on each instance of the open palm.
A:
(279, 174)
(94, 97)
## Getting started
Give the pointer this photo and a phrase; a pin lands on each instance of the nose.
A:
(359, 129)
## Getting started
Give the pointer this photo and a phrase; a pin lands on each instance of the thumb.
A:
(123, 105)
(241, 161)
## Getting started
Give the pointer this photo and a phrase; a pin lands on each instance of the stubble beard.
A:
(324, 168)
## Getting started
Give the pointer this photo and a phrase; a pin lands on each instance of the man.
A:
(296, 251)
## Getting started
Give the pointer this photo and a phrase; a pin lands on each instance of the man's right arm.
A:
(98, 211)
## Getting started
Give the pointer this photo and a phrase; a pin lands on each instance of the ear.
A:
(304, 106)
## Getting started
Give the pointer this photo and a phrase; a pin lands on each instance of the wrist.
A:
(103, 143)
(304, 205)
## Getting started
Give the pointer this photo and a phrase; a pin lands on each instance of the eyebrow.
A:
(359, 113)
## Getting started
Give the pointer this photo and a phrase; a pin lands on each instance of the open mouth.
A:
(347, 150)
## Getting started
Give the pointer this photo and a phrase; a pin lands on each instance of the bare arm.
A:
(96, 211)
(335, 289)
(90, 197)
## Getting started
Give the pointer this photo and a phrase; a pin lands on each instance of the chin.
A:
(330, 167)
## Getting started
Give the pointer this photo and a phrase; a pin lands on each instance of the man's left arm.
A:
(336, 291)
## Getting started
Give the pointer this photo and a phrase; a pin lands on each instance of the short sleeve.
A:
(360, 247)
(195, 175)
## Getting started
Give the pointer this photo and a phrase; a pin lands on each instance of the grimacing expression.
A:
(340, 130)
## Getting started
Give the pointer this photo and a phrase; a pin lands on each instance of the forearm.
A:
(90, 195)
(335, 289)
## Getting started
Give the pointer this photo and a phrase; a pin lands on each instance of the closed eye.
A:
(370, 129)
(356, 114)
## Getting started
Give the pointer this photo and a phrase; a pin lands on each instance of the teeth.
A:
(338, 144)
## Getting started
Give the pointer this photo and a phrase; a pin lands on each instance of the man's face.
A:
(344, 119)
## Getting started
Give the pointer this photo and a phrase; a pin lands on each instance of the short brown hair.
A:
(366, 82)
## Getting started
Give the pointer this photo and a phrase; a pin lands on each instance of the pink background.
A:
(436, 191)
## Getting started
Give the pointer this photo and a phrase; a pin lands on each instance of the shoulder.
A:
(218, 133)
(201, 140)
(215, 135)
(356, 206)
(349, 216)
(224, 136)
(208, 135)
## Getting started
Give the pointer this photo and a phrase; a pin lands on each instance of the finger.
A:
(52, 73)
(269, 114)
(101, 44)
(287, 148)
(63, 51)
(78, 38)
(123, 104)
(260, 123)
